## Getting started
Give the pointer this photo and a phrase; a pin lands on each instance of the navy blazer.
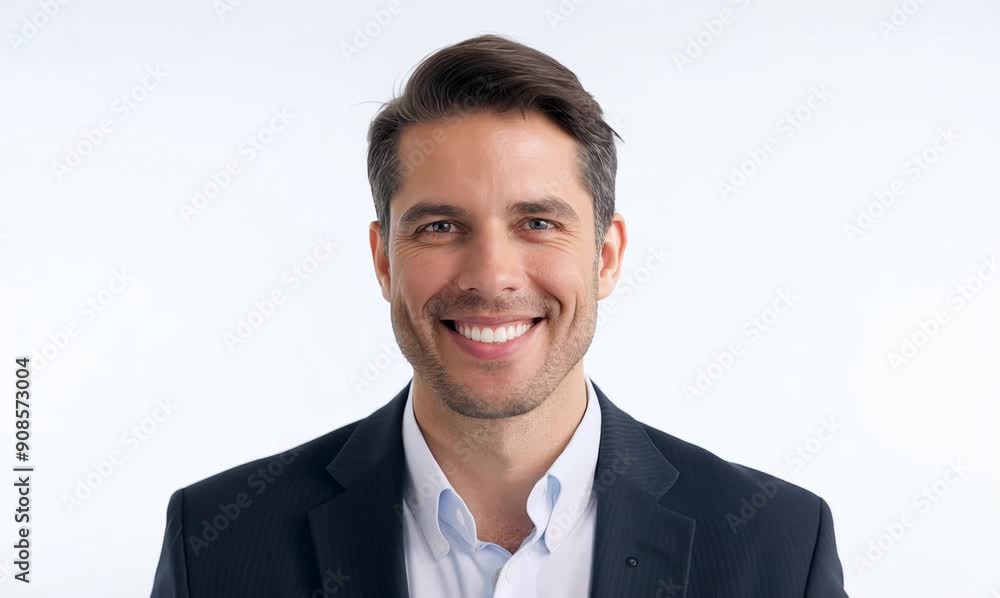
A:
(324, 519)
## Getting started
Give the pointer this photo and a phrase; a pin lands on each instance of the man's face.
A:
(493, 272)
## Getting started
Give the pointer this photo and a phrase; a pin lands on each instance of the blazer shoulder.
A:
(740, 511)
(716, 487)
(301, 467)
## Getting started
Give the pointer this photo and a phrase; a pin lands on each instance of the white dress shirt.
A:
(444, 556)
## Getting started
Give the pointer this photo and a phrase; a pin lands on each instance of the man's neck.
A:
(494, 463)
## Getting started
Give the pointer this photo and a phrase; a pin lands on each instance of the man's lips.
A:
(490, 322)
(494, 320)
(498, 342)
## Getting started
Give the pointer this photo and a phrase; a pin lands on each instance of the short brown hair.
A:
(490, 72)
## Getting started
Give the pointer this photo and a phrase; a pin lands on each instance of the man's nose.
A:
(492, 265)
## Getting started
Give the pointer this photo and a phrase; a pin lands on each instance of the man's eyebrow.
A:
(421, 210)
(549, 204)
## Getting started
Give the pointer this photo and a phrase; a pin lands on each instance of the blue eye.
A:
(548, 222)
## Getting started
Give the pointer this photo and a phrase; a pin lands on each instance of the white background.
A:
(686, 125)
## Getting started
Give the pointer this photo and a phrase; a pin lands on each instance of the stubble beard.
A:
(509, 400)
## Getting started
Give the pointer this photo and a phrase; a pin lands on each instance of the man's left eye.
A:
(549, 224)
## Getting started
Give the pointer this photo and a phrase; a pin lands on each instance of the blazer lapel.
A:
(641, 546)
(357, 534)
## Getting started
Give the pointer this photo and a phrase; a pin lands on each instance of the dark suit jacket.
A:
(324, 519)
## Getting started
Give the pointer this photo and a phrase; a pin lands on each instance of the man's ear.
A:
(609, 266)
(380, 258)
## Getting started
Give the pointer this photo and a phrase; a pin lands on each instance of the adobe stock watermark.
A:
(632, 283)
(224, 8)
(290, 281)
(603, 481)
(923, 501)
(913, 168)
(229, 512)
(372, 28)
(121, 108)
(388, 355)
(667, 588)
(33, 24)
(928, 328)
(332, 582)
(130, 440)
(899, 16)
(247, 150)
(563, 11)
(88, 310)
(786, 127)
(424, 488)
(712, 29)
(426, 146)
(749, 507)
(752, 330)
(6, 571)
(797, 458)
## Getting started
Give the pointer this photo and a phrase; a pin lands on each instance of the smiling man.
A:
(500, 469)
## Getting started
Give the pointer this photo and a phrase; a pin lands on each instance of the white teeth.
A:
(500, 334)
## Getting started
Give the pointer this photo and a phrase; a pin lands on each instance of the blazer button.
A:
(632, 561)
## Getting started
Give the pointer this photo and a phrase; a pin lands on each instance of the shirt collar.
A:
(555, 504)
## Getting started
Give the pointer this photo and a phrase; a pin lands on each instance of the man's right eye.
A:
(434, 227)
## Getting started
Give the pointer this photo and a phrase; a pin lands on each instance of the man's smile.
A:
(492, 338)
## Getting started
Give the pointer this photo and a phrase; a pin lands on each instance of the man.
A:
(500, 469)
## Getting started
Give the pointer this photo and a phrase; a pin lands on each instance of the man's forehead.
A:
(486, 125)
(489, 163)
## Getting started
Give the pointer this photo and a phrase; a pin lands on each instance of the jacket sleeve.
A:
(171, 580)
(826, 574)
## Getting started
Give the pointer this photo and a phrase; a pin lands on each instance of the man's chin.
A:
(490, 393)
(490, 406)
